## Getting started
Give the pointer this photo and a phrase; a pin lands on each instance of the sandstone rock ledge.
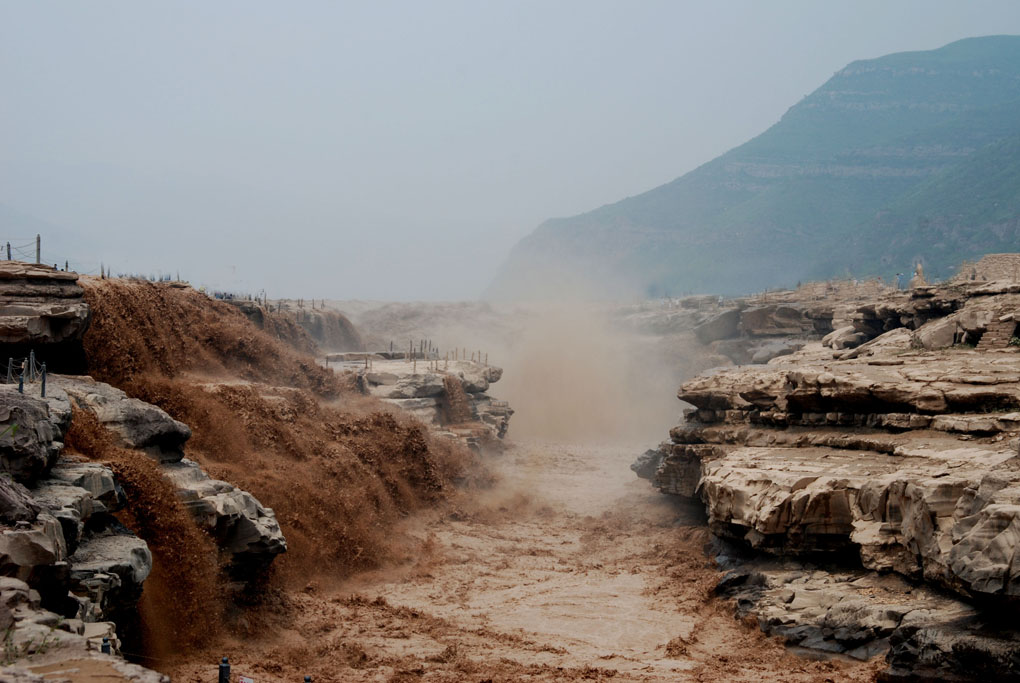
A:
(68, 568)
(246, 531)
(450, 395)
(44, 310)
(884, 471)
(806, 455)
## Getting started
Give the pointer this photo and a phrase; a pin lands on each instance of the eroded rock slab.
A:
(879, 470)
(448, 394)
(136, 424)
(246, 531)
(40, 305)
(32, 430)
(241, 525)
(927, 634)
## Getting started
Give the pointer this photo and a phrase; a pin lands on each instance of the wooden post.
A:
(8, 251)
(38, 249)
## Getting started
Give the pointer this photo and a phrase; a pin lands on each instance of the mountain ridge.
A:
(808, 196)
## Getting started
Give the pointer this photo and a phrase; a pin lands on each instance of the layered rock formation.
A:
(448, 394)
(899, 455)
(42, 310)
(39, 644)
(907, 155)
(69, 564)
(71, 568)
(246, 531)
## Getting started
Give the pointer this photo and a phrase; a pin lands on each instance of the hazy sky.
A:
(393, 150)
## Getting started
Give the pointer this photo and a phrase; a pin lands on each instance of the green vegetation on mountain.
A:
(909, 157)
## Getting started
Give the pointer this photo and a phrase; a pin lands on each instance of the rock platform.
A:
(880, 463)
(43, 310)
(450, 395)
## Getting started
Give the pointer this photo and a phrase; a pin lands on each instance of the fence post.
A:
(31, 366)
(38, 249)
(21, 384)
(105, 647)
(8, 251)
(44, 380)
(224, 670)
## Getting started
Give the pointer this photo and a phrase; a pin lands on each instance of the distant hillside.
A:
(912, 156)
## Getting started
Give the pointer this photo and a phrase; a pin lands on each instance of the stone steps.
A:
(997, 335)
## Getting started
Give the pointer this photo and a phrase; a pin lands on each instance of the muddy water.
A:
(561, 557)
(569, 569)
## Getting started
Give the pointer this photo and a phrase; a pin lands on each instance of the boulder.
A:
(938, 334)
(110, 568)
(135, 424)
(765, 351)
(647, 464)
(95, 478)
(16, 503)
(846, 337)
(739, 351)
(723, 325)
(243, 528)
(32, 433)
(776, 320)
